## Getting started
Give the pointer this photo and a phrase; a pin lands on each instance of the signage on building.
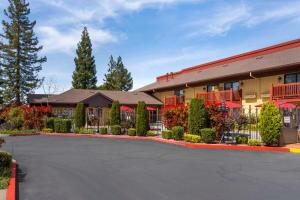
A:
(287, 119)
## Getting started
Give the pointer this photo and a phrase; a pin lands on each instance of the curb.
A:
(24, 134)
(294, 150)
(178, 143)
(11, 190)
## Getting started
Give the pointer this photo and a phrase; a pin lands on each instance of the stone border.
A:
(178, 143)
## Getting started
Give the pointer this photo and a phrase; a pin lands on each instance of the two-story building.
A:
(243, 81)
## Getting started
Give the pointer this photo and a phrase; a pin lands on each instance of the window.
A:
(179, 93)
(292, 78)
(232, 85)
(211, 87)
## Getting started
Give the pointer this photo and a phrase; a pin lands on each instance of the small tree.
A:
(114, 114)
(270, 124)
(79, 116)
(142, 119)
(197, 118)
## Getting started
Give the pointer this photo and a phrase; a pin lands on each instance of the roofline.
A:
(259, 52)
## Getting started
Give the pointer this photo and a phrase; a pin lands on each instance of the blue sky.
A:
(157, 36)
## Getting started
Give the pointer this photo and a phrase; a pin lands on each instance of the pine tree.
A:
(19, 53)
(117, 77)
(84, 76)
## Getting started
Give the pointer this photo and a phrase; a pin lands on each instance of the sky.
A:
(156, 36)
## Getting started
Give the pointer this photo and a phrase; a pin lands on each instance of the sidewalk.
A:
(3, 194)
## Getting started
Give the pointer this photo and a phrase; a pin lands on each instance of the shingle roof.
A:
(38, 98)
(276, 60)
(74, 96)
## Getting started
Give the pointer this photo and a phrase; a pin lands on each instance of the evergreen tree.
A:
(84, 76)
(19, 48)
(142, 119)
(114, 114)
(117, 77)
(197, 117)
(79, 116)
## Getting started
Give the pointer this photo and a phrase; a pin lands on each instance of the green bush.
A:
(177, 132)
(132, 132)
(208, 135)
(5, 162)
(16, 118)
(192, 138)
(47, 130)
(253, 142)
(270, 124)
(62, 125)
(197, 118)
(151, 133)
(2, 141)
(167, 134)
(241, 139)
(114, 114)
(49, 122)
(86, 131)
(115, 130)
(103, 130)
(79, 116)
(142, 119)
(16, 132)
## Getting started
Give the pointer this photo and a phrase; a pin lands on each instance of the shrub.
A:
(241, 139)
(79, 116)
(176, 117)
(142, 119)
(132, 132)
(86, 131)
(5, 163)
(103, 130)
(62, 125)
(197, 118)
(115, 130)
(49, 122)
(15, 132)
(177, 132)
(151, 133)
(253, 142)
(16, 118)
(192, 138)
(47, 130)
(114, 114)
(2, 141)
(167, 134)
(270, 124)
(208, 135)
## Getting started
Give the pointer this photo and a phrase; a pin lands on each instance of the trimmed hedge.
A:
(177, 132)
(62, 125)
(114, 114)
(132, 132)
(253, 142)
(115, 130)
(167, 134)
(241, 139)
(5, 163)
(86, 131)
(103, 130)
(142, 119)
(208, 135)
(16, 132)
(192, 138)
(79, 116)
(197, 118)
(151, 133)
(49, 122)
(47, 130)
(270, 124)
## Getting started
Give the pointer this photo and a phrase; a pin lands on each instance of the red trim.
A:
(11, 190)
(179, 143)
(243, 56)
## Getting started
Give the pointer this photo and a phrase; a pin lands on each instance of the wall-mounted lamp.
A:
(204, 88)
(242, 83)
(279, 79)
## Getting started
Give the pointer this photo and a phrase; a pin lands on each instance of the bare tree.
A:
(50, 88)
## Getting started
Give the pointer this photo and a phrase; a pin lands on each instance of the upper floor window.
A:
(232, 85)
(179, 93)
(292, 78)
(211, 88)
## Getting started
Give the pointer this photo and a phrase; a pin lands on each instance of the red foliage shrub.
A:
(176, 117)
(216, 118)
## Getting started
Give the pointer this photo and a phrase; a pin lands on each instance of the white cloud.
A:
(54, 40)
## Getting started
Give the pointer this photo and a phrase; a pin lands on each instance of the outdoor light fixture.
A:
(204, 88)
(279, 79)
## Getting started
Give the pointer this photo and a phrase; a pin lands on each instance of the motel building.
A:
(242, 82)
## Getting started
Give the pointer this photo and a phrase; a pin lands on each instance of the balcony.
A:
(218, 96)
(174, 101)
(285, 91)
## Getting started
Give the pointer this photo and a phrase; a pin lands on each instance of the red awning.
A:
(151, 109)
(126, 109)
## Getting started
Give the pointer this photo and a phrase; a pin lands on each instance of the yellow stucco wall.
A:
(254, 91)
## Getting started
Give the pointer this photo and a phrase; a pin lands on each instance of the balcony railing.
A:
(174, 101)
(225, 95)
(285, 91)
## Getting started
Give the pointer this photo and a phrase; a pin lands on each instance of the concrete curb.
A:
(294, 150)
(11, 190)
(178, 143)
